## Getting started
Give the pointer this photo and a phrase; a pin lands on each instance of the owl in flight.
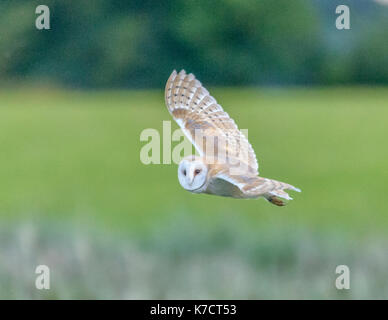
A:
(226, 165)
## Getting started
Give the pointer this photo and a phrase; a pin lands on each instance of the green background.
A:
(75, 196)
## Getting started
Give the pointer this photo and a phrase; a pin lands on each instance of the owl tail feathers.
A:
(278, 196)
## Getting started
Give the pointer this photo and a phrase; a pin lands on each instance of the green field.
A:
(70, 161)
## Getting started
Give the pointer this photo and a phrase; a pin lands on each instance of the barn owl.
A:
(212, 131)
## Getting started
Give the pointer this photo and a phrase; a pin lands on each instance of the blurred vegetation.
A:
(75, 197)
(65, 155)
(182, 259)
(113, 43)
(74, 194)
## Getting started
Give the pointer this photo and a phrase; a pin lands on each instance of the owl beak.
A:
(191, 178)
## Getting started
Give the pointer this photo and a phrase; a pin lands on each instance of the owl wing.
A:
(249, 186)
(206, 124)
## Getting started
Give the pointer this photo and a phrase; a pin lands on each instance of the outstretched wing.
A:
(205, 123)
(254, 187)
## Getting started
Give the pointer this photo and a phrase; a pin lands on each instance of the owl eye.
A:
(184, 172)
(197, 171)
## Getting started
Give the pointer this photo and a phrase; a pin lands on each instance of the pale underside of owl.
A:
(226, 165)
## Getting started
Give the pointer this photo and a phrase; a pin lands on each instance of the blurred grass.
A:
(75, 196)
(75, 155)
(185, 260)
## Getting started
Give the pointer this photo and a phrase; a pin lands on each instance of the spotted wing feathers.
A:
(195, 110)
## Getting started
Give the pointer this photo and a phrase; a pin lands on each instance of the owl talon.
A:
(276, 201)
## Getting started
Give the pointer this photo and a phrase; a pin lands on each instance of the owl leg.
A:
(276, 200)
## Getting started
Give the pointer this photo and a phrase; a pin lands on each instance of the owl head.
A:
(192, 174)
